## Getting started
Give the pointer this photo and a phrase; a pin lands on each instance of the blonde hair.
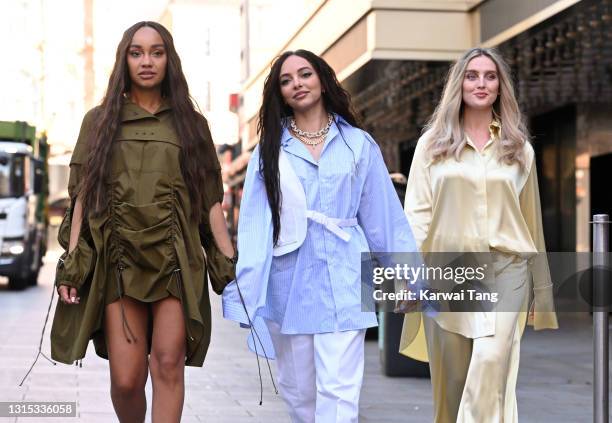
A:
(445, 128)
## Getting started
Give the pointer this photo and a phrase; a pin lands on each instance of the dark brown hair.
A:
(274, 111)
(197, 150)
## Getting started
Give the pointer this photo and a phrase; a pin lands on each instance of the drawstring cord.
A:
(60, 262)
(42, 335)
(127, 330)
(126, 327)
(254, 334)
(179, 281)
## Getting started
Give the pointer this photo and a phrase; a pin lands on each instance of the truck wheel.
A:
(17, 283)
(33, 277)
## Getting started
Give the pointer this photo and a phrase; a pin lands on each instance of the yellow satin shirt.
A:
(478, 204)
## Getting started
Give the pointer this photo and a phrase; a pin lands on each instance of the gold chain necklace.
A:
(313, 142)
(311, 138)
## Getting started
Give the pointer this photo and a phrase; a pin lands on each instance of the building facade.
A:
(393, 56)
(207, 38)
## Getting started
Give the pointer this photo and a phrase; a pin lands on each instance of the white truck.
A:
(23, 203)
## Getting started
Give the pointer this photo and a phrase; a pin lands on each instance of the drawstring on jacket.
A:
(254, 335)
(126, 327)
(42, 336)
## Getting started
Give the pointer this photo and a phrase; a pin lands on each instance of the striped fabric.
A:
(317, 288)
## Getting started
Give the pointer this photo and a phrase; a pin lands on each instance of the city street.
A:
(490, 117)
(554, 381)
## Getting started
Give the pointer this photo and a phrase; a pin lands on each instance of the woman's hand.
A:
(68, 295)
(406, 306)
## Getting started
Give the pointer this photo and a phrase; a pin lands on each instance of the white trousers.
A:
(320, 375)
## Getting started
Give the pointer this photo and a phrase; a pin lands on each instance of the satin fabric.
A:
(475, 204)
(474, 380)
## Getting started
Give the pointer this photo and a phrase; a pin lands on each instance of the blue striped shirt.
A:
(317, 288)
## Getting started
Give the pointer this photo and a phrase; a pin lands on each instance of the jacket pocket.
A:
(146, 235)
(143, 216)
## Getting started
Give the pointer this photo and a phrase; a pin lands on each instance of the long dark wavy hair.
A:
(197, 151)
(274, 112)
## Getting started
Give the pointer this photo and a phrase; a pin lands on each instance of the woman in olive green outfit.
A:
(146, 189)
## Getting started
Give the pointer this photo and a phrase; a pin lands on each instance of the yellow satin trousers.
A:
(474, 379)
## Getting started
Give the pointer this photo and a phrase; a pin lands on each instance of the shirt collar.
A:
(494, 134)
(132, 111)
(495, 128)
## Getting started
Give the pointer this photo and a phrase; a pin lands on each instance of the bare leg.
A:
(167, 361)
(128, 361)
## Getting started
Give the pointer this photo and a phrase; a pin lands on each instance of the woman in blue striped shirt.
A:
(317, 194)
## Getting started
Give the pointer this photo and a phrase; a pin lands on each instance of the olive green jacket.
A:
(144, 245)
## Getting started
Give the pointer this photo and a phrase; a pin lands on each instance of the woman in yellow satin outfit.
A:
(473, 188)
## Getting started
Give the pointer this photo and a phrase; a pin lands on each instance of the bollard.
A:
(600, 319)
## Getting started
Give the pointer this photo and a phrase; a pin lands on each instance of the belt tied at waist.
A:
(332, 224)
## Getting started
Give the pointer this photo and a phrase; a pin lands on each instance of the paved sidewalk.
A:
(554, 381)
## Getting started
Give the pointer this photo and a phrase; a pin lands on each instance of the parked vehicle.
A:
(23, 203)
